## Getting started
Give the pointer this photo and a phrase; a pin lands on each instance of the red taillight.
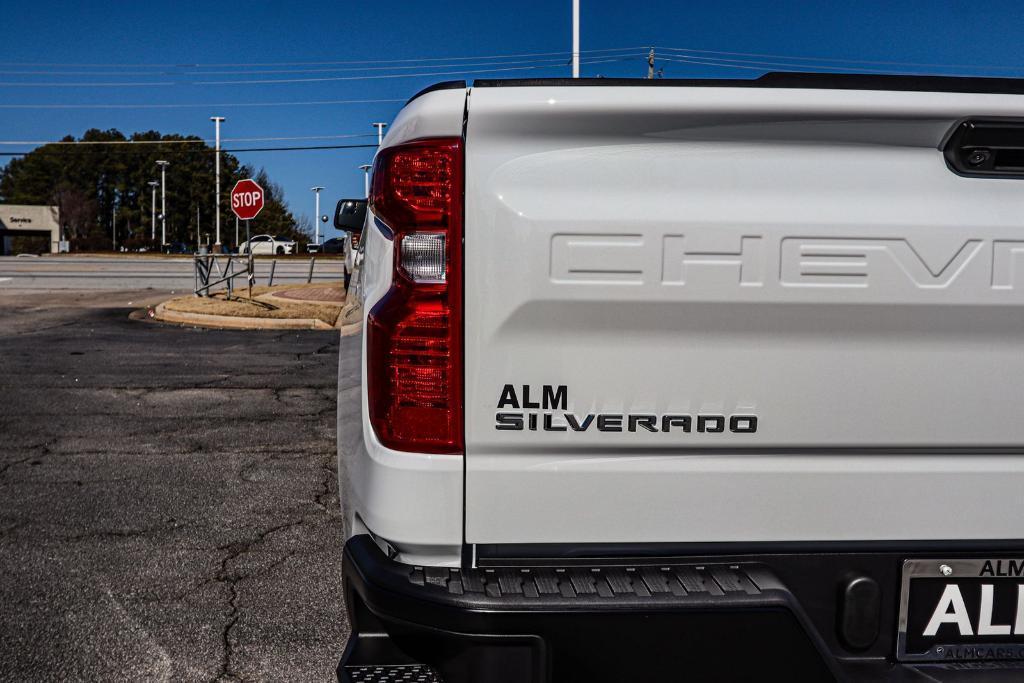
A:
(414, 333)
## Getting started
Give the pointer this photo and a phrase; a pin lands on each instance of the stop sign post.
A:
(246, 202)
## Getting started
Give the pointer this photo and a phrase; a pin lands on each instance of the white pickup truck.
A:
(702, 380)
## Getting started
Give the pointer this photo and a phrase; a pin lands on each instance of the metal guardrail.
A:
(208, 266)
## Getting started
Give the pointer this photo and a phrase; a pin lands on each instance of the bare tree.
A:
(77, 211)
(305, 226)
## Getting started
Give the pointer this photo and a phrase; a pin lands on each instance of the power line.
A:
(477, 58)
(236, 72)
(4, 105)
(752, 65)
(318, 63)
(298, 149)
(323, 79)
(196, 141)
(279, 81)
(841, 60)
(206, 150)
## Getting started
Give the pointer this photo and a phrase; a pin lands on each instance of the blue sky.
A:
(144, 42)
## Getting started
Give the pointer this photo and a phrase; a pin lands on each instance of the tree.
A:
(87, 182)
(304, 227)
(75, 210)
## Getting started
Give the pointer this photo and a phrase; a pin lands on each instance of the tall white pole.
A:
(316, 216)
(366, 179)
(152, 206)
(380, 131)
(163, 202)
(216, 122)
(575, 38)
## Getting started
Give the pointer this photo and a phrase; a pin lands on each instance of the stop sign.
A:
(246, 199)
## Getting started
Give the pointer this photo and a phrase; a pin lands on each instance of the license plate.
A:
(961, 610)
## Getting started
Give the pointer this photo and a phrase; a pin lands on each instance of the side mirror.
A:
(350, 215)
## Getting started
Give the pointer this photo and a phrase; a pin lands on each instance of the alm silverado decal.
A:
(548, 411)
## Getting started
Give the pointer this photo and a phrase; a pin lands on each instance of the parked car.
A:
(335, 245)
(267, 244)
(179, 248)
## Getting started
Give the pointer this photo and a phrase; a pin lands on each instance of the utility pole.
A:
(316, 216)
(113, 226)
(216, 122)
(650, 64)
(366, 179)
(152, 205)
(380, 131)
(163, 201)
(575, 38)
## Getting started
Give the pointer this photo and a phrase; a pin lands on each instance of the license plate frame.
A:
(959, 571)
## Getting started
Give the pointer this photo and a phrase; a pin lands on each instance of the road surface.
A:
(165, 274)
(168, 501)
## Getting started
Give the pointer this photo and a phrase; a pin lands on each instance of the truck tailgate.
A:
(712, 314)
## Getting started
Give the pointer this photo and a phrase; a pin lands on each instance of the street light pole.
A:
(163, 201)
(152, 205)
(316, 217)
(217, 121)
(380, 131)
(366, 179)
(575, 38)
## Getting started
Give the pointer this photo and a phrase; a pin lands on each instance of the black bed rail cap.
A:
(783, 79)
(443, 85)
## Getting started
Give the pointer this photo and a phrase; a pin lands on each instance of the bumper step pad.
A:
(607, 585)
(395, 673)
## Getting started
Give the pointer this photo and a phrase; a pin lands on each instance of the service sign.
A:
(246, 199)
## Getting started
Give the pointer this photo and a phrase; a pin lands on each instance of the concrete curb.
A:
(237, 322)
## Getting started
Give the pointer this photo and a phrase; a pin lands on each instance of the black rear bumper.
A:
(723, 618)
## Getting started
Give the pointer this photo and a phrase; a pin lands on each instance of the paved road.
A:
(168, 503)
(127, 272)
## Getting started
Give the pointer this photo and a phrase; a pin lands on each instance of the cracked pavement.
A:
(168, 501)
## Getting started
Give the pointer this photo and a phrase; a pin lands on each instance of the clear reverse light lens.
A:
(423, 257)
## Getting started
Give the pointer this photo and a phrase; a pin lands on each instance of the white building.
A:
(19, 220)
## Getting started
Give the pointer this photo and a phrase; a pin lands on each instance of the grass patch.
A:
(245, 308)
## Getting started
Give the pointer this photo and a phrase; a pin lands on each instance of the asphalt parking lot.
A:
(168, 501)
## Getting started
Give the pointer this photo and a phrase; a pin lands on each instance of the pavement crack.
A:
(123, 533)
(45, 328)
(43, 451)
(8, 465)
(324, 498)
(231, 578)
(228, 650)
